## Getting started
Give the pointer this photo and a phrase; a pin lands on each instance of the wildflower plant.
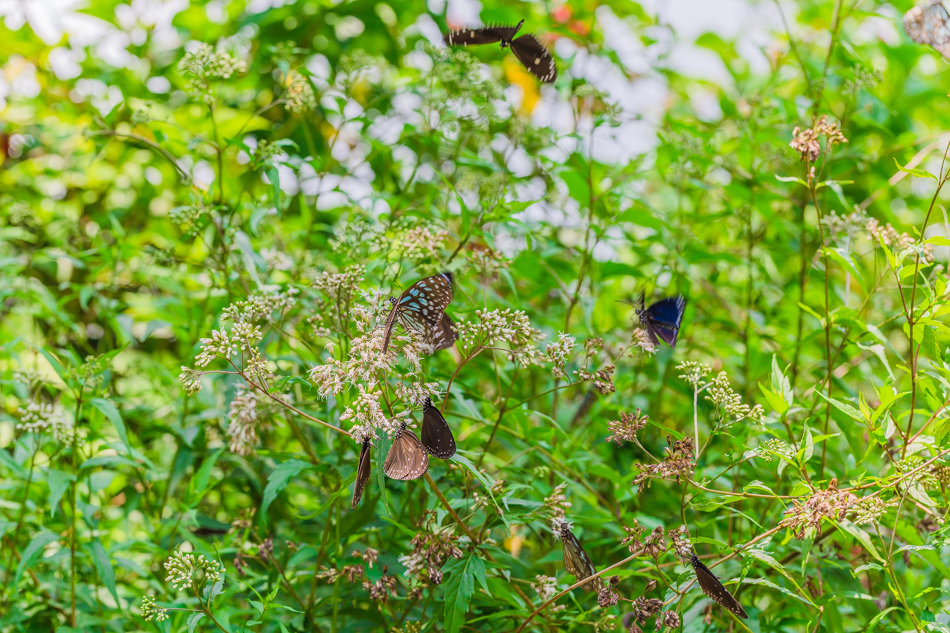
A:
(206, 207)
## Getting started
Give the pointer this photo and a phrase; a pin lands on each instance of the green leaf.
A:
(341, 491)
(809, 445)
(103, 564)
(862, 538)
(459, 587)
(879, 617)
(108, 409)
(278, 480)
(57, 481)
(483, 478)
(199, 484)
(32, 552)
(845, 408)
(791, 179)
(194, 619)
(920, 173)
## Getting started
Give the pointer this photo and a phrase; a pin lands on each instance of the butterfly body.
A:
(929, 23)
(407, 458)
(714, 588)
(437, 437)
(421, 309)
(576, 561)
(526, 48)
(662, 319)
(362, 472)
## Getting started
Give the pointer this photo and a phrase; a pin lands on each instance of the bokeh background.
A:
(164, 160)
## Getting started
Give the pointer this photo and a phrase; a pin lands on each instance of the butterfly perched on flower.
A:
(662, 319)
(421, 309)
(407, 458)
(362, 471)
(713, 588)
(526, 48)
(929, 23)
(576, 561)
(437, 437)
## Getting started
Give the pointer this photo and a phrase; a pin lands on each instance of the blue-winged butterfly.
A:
(526, 48)
(421, 309)
(407, 458)
(437, 437)
(662, 319)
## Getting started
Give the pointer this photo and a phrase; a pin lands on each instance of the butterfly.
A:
(407, 458)
(662, 319)
(421, 309)
(445, 334)
(526, 48)
(714, 589)
(362, 472)
(436, 435)
(576, 561)
(927, 23)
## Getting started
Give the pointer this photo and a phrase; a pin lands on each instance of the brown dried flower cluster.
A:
(602, 378)
(807, 142)
(831, 503)
(654, 544)
(608, 596)
(380, 590)
(899, 241)
(679, 538)
(429, 553)
(643, 609)
(632, 540)
(678, 463)
(625, 429)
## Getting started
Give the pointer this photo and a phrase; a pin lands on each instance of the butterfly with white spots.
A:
(526, 48)
(929, 23)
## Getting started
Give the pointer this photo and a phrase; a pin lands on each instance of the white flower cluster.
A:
(190, 380)
(204, 64)
(248, 413)
(558, 353)
(694, 372)
(261, 307)
(43, 416)
(730, 403)
(420, 243)
(492, 327)
(187, 570)
(546, 588)
(151, 611)
(218, 346)
(557, 503)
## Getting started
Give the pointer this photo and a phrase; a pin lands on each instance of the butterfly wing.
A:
(362, 473)
(421, 307)
(487, 35)
(407, 458)
(437, 437)
(713, 588)
(445, 335)
(665, 317)
(927, 22)
(578, 563)
(535, 57)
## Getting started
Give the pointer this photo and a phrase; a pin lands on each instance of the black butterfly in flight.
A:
(526, 48)
(421, 308)
(713, 588)
(407, 458)
(437, 437)
(362, 472)
(576, 561)
(662, 319)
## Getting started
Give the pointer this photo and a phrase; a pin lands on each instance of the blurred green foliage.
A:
(174, 169)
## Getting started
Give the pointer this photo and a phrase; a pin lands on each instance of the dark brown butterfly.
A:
(436, 434)
(576, 561)
(715, 589)
(421, 309)
(407, 458)
(526, 48)
(362, 472)
(445, 335)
